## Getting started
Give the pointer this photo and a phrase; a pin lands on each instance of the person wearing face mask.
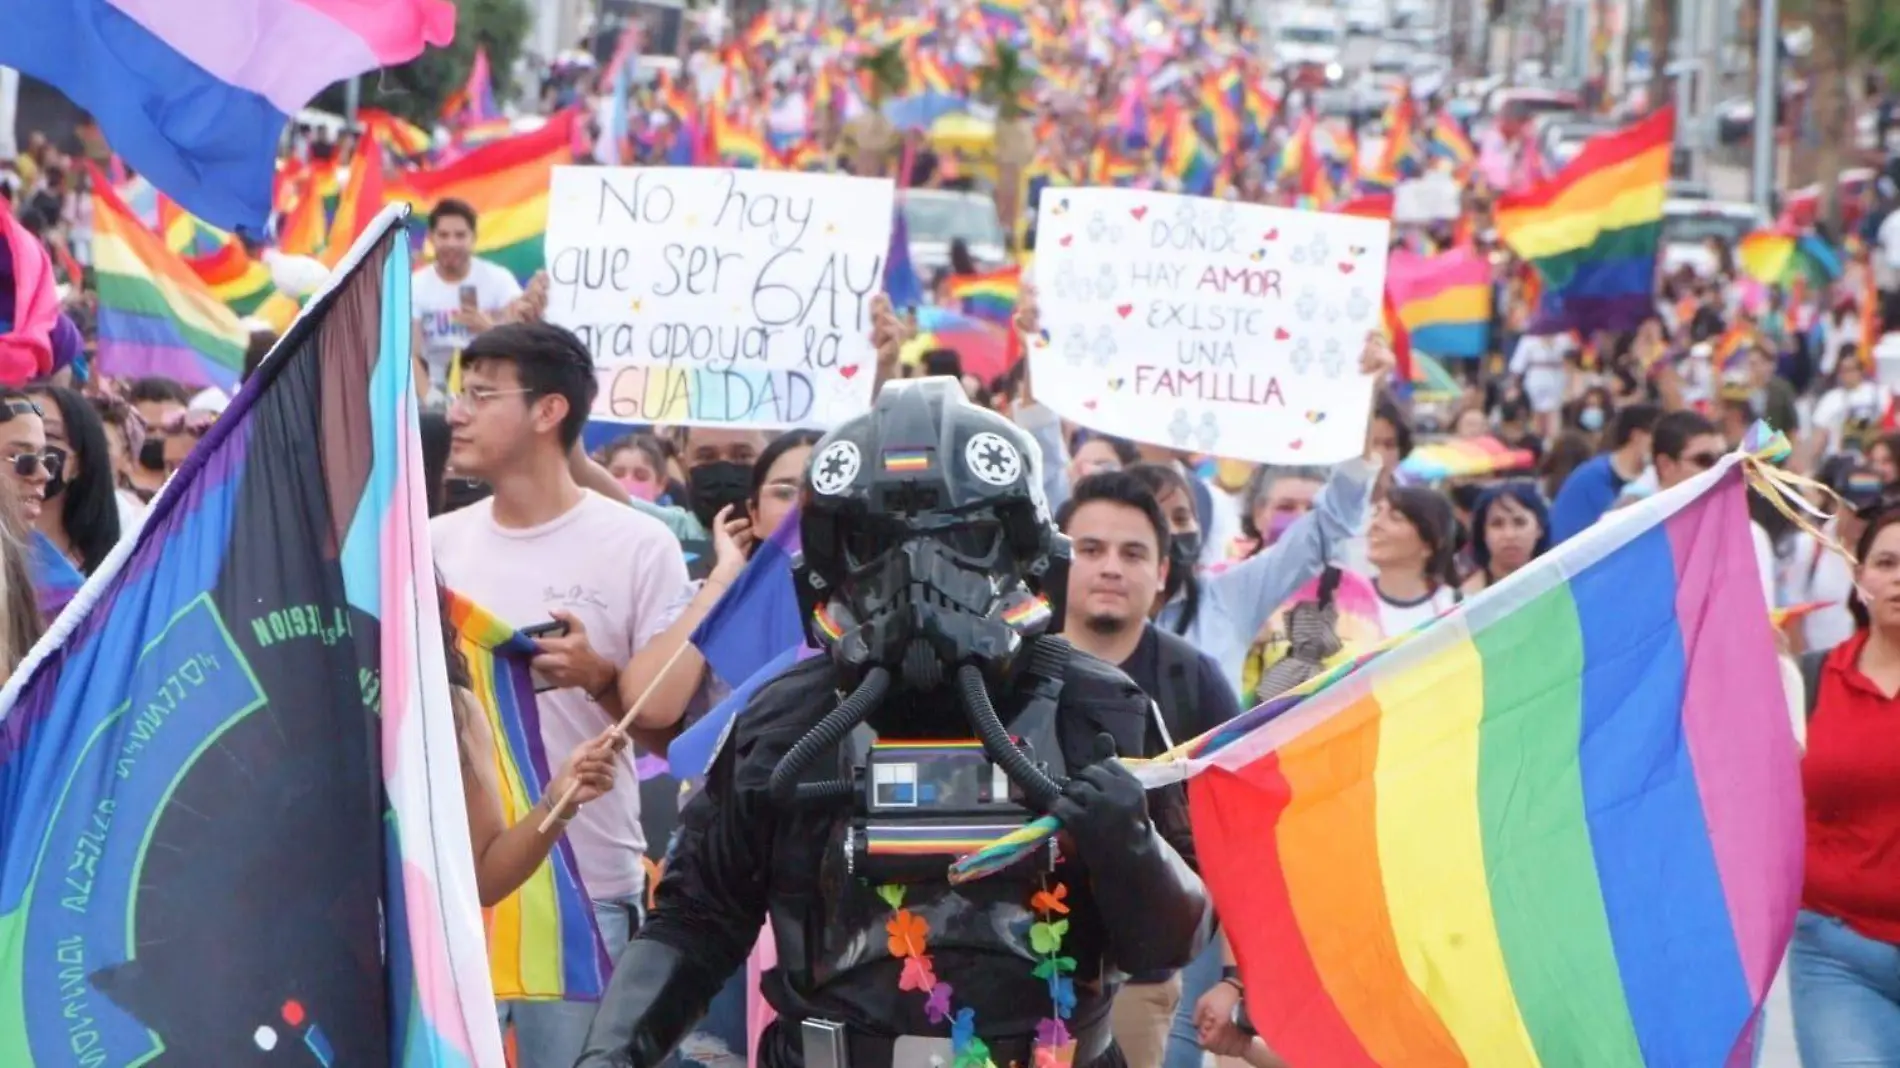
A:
(1593, 487)
(638, 463)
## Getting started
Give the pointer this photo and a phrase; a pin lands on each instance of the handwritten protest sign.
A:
(1207, 325)
(721, 297)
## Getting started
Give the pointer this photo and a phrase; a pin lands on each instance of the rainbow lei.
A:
(909, 941)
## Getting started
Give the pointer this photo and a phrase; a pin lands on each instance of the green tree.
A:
(416, 90)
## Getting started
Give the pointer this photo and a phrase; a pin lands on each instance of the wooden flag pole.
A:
(619, 730)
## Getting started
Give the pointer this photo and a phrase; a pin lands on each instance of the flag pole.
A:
(619, 730)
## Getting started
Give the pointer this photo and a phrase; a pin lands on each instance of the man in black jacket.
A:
(926, 538)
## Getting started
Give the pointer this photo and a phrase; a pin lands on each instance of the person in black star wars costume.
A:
(927, 541)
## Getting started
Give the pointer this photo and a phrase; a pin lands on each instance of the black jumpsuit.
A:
(740, 857)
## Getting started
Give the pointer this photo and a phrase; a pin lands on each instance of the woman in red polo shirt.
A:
(1844, 966)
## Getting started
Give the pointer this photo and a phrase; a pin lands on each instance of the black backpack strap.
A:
(1811, 664)
(1180, 677)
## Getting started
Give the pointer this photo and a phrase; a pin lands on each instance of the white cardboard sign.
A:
(720, 297)
(1207, 325)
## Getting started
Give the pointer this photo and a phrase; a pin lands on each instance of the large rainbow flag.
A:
(1561, 825)
(1443, 300)
(1592, 230)
(542, 941)
(156, 316)
(233, 811)
(507, 184)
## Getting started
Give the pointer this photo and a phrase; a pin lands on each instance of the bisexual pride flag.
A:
(232, 820)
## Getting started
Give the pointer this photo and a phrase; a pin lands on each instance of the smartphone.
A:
(553, 628)
(468, 298)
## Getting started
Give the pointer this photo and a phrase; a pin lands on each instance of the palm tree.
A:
(1833, 120)
(873, 134)
(1004, 83)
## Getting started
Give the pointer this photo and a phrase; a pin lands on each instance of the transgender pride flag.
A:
(241, 727)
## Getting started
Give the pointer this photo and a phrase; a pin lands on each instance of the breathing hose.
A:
(1038, 789)
(828, 732)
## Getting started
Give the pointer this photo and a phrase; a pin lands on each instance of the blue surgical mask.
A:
(1590, 419)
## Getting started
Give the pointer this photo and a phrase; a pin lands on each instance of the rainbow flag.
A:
(735, 144)
(1592, 230)
(1560, 825)
(1448, 142)
(401, 138)
(1003, 18)
(542, 941)
(362, 198)
(507, 185)
(1779, 258)
(1453, 853)
(1444, 301)
(243, 714)
(196, 100)
(156, 317)
(1184, 156)
(1482, 457)
(244, 285)
(990, 296)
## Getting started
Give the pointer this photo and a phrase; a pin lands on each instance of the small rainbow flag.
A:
(991, 295)
(542, 941)
(1779, 258)
(1480, 457)
(507, 185)
(1003, 18)
(156, 317)
(906, 459)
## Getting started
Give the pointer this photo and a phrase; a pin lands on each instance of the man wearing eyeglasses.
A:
(30, 464)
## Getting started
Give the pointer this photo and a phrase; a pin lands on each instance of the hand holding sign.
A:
(730, 298)
(1211, 326)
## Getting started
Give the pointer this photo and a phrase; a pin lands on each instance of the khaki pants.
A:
(1141, 1017)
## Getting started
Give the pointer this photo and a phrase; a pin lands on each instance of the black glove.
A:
(1104, 807)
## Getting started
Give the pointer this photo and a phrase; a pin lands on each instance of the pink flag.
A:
(26, 351)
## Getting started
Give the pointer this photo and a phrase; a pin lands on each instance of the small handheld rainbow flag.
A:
(991, 296)
(542, 941)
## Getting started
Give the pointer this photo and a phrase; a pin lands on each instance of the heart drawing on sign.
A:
(849, 371)
(1345, 268)
(1356, 250)
(1061, 206)
(1315, 417)
(1295, 444)
(1089, 404)
(1124, 310)
(635, 304)
(1280, 334)
(1067, 240)
(1042, 338)
(1137, 213)
(1258, 256)
(1115, 384)
(1271, 235)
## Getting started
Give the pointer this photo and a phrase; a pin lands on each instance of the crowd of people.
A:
(1213, 585)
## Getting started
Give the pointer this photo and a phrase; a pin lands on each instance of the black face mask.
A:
(716, 484)
(152, 454)
(1184, 551)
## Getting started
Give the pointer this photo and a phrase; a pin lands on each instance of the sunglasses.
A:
(1703, 460)
(28, 464)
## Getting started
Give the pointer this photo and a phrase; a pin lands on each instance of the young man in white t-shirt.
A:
(459, 295)
(543, 550)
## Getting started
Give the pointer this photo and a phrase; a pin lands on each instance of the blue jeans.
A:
(552, 1034)
(1845, 988)
(1184, 1041)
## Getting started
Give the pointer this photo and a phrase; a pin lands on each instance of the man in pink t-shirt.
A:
(543, 549)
